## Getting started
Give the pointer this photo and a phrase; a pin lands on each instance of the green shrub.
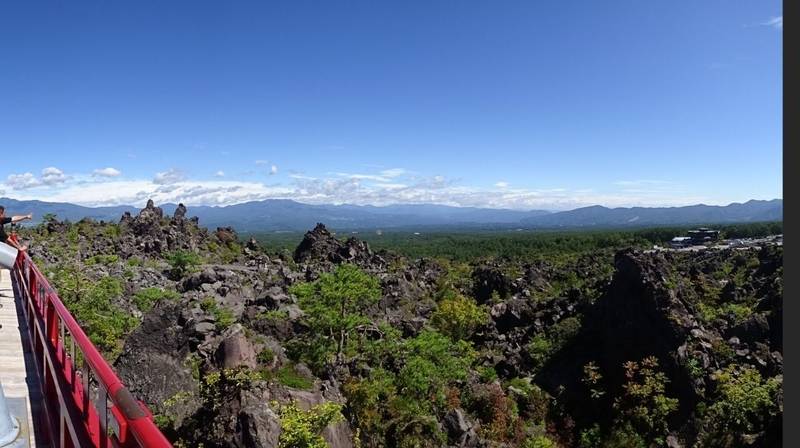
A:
(273, 315)
(105, 260)
(539, 441)
(217, 387)
(541, 347)
(265, 356)
(92, 305)
(432, 361)
(112, 231)
(734, 312)
(182, 262)
(223, 317)
(592, 379)
(743, 403)
(591, 437)
(301, 429)
(146, 298)
(625, 436)
(643, 402)
(497, 412)
(459, 316)
(370, 399)
(487, 374)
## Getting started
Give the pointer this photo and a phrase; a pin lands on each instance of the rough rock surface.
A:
(154, 363)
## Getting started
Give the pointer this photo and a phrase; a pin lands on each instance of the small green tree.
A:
(335, 304)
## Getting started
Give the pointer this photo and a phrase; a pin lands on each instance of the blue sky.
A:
(524, 105)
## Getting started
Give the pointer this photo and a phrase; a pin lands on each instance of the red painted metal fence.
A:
(85, 403)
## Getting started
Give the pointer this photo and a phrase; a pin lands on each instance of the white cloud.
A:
(53, 176)
(384, 188)
(373, 177)
(50, 176)
(170, 176)
(137, 192)
(219, 173)
(392, 173)
(384, 176)
(107, 172)
(262, 162)
(22, 181)
(640, 182)
(775, 22)
(273, 170)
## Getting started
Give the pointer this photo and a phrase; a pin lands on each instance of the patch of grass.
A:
(289, 377)
(487, 374)
(265, 356)
(146, 298)
(223, 316)
(105, 260)
(182, 262)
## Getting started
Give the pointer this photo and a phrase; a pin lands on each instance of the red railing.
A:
(85, 403)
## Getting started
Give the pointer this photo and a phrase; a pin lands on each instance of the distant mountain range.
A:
(285, 215)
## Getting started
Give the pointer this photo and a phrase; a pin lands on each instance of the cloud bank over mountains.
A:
(108, 186)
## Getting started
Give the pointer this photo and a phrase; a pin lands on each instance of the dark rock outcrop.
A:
(320, 246)
(154, 363)
(490, 280)
(151, 234)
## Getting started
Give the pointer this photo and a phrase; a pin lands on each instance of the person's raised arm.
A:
(19, 218)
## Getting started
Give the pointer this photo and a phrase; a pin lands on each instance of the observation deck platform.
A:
(17, 372)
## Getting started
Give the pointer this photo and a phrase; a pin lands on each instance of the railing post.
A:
(32, 286)
(51, 321)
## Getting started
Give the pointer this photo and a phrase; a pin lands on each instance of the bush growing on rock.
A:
(745, 401)
(458, 317)
(223, 317)
(146, 298)
(542, 347)
(102, 259)
(539, 442)
(401, 405)
(92, 304)
(182, 262)
(643, 402)
(301, 429)
(431, 362)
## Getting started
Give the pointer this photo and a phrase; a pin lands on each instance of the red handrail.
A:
(85, 406)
